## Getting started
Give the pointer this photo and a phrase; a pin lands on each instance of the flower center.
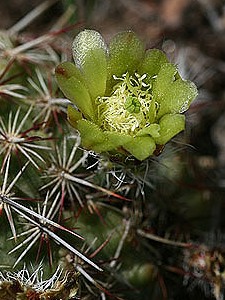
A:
(127, 109)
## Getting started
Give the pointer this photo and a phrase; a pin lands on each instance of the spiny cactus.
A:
(96, 194)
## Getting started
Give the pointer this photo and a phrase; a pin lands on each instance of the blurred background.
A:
(192, 33)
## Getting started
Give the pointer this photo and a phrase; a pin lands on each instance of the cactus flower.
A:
(123, 99)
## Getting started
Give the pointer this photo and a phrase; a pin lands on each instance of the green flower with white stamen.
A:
(128, 107)
(126, 99)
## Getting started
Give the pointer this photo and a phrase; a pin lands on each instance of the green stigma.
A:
(132, 105)
(126, 110)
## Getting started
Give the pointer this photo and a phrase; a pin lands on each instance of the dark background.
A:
(192, 33)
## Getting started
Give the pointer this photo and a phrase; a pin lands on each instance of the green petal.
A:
(151, 115)
(71, 83)
(152, 130)
(173, 94)
(73, 115)
(89, 53)
(152, 62)
(170, 125)
(125, 53)
(141, 147)
(115, 140)
(90, 133)
(93, 138)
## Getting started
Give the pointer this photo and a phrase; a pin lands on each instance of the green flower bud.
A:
(141, 275)
(125, 99)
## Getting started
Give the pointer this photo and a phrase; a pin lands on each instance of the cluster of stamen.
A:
(126, 109)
